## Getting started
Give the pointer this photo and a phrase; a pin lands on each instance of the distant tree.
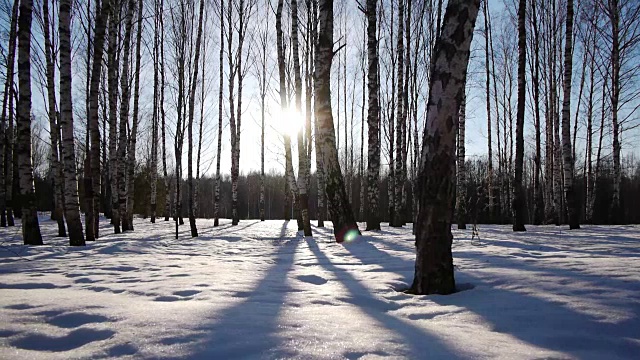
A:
(396, 221)
(194, 83)
(112, 84)
(156, 112)
(568, 159)
(216, 199)
(133, 135)
(57, 180)
(6, 146)
(519, 201)
(125, 89)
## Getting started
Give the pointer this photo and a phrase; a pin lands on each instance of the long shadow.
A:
(368, 254)
(250, 328)
(547, 324)
(499, 261)
(229, 229)
(420, 344)
(398, 265)
(535, 320)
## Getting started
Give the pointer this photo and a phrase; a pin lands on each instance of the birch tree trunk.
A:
(124, 117)
(589, 151)
(361, 181)
(344, 225)
(54, 129)
(489, 123)
(6, 214)
(30, 227)
(112, 80)
(216, 201)
(303, 198)
(461, 194)
(194, 84)
(131, 153)
(244, 17)
(373, 118)
(614, 18)
(233, 70)
(538, 202)
(399, 161)
(553, 104)
(320, 174)
(291, 185)
(519, 201)
(155, 116)
(200, 126)
(167, 183)
(72, 204)
(568, 165)
(263, 42)
(405, 114)
(10, 161)
(434, 262)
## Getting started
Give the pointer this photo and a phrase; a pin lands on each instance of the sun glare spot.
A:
(289, 122)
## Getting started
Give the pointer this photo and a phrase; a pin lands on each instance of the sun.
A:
(288, 122)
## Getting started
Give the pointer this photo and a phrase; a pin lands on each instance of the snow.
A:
(261, 290)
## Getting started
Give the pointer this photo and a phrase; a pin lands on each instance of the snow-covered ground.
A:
(260, 290)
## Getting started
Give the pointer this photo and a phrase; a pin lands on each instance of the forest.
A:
(106, 103)
(319, 179)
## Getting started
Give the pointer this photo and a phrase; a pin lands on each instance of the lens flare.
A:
(351, 235)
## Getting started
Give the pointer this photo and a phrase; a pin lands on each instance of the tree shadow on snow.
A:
(222, 230)
(249, 328)
(547, 324)
(421, 344)
(541, 322)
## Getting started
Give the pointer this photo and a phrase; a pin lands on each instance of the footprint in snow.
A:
(74, 320)
(73, 340)
(312, 279)
(186, 292)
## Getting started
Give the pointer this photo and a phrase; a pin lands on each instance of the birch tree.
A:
(373, 118)
(518, 190)
(291, 185)
(156, 112)
(344, 226)
(461, 194)
(54, 129)
(194, 83)
(396, 221)
(6, 212)
(489, 123)
(567, 155)
(72, 204)
(6, 203)
(112, 83)
(30, 226)
(216, 209)
(131, 151)
(303, 199)
(434, 262)
(125, 89)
